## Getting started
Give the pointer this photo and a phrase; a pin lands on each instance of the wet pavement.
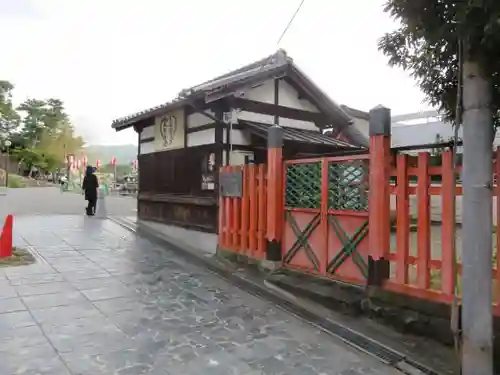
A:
(50, 201)
(101, 301)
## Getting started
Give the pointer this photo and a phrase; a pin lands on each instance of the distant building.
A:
(412, 129)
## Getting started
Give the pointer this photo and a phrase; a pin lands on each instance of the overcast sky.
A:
(109, 58)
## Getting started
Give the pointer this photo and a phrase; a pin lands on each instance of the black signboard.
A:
(231, 184)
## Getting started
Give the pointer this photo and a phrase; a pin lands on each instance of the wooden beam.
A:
(146, 140)
(276, 99)
(213, 126)
(186, 125)
(280, 111)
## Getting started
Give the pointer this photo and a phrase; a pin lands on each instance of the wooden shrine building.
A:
(224, 121)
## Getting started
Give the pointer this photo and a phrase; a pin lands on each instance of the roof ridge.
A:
(278, 58)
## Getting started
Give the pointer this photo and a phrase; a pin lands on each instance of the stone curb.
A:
(283, 300)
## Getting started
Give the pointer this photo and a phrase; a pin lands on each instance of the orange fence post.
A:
(402, 220)
(423, 222)
(236, 217)
(245, 211)
(222, 218)
(252, 228)
(274, 192)
(379, 199)
(261, 210)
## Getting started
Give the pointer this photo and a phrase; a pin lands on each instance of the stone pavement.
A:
(50, 201)
(102, 301)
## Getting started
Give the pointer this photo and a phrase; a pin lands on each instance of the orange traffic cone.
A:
(6, 237)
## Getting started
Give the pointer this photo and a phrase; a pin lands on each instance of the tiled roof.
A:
(268, 64)
(276, 65)
(299, 135)
(355, 112)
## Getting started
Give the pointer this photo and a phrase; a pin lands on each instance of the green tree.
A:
(9, 118)
(48, 129)
(60, 141)
(30, 158)
(34, 111)
(426, 45)
(453, 47)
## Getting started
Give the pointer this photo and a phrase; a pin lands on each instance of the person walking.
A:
(89, 188)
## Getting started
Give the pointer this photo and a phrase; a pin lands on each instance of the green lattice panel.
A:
(303, 185)
(348, 185)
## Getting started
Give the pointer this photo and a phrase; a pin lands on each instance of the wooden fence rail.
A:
(423, 257)
(431, 269)
(242, 221)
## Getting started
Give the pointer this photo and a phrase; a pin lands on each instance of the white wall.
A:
(262, 93)
(148, 132)
(362, 125)
(423, 133)
(147, 148)
(269, 119)
(237, 157)
(287, 97)
(203, 137)
(197, 119)
(238, 137)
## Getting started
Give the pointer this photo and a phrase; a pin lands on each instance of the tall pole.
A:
(7, 143)
(477, 311)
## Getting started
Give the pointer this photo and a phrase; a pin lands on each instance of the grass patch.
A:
(20, 257)
(16, 181)
(436, 275)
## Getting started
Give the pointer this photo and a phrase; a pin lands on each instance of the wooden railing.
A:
(423, 255)
(242, 221)
(414, 220)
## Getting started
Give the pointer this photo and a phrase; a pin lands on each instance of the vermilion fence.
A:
(424, 261)
(242, 221)
(326, 217)
(328, 225)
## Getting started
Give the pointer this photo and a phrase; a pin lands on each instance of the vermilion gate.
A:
(326, 217)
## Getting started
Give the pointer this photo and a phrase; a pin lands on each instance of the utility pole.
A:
(7, 144)
(477, 311)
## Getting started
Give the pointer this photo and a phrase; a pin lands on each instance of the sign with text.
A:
(231, 184)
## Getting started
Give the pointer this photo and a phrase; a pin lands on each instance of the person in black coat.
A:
(89, 187)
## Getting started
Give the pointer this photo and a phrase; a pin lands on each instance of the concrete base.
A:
(269, 265)
(205, 242)
(262, 265)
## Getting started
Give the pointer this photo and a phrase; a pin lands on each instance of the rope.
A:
(290, 22)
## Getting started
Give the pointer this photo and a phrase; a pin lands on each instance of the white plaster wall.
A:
(147, 148)
(148, 132)
(237, 157)
(238, 137)
(289, 97)
(268, 119)
(197, 119)
(262, 93)
(204, 137)
(361, 125)
(178, 136)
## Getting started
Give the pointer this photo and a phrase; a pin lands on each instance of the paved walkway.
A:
(50, 201)
(101, 301)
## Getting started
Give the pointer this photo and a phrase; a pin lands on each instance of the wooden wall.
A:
(170, 189)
